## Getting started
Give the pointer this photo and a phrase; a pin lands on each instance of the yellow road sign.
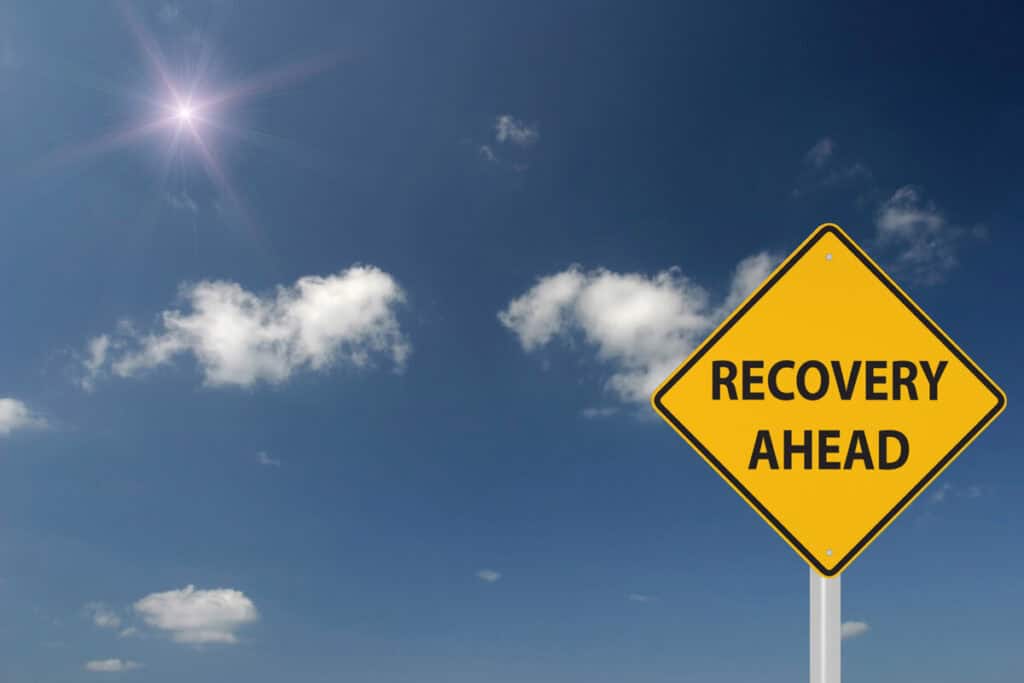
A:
(829, 400)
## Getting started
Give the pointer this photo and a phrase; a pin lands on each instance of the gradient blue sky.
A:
(432, 162)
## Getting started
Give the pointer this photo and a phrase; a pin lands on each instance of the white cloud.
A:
(822, 169)
(240, 338)
(103, 616)
(111, 665)
(641, 327)
(264, 459)
(96, 356)
(488, 575)
(128, 632)
(487, 154)
(853, 629)
(638, 597)
(198, 616)
(925, 240)
(16, 415)
(748, 274)
(820, 153)
(510, 129)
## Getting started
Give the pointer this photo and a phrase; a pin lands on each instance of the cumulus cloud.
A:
(639, 326)
(853, 629)
(241, 338)
(15, 415)
(507, 128)
(111, 665)
(488, 575)
(197, 616)
(102, 616)
(925, 241)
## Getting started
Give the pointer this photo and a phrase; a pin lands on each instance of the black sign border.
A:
(829, 229)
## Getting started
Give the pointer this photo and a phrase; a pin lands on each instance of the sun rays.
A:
(186, 111)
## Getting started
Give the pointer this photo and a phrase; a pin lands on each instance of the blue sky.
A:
(357, 393)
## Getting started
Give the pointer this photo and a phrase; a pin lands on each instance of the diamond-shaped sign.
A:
(829, 400)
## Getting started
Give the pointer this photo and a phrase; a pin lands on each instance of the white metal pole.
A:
(826, 629)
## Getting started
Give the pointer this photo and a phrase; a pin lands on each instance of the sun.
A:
(184, 113)
(190, 115)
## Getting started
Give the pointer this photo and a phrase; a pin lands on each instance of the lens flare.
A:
(187, 113)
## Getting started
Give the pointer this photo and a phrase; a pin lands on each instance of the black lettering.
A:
(789, 449)
(825, 448)
(773, 382)
(933, 378)
(845, 388)
(749, 379)
(718, 381)
(899, 379)
(871, 379)
(801, 380)
(763, 450)
(858, 451)
(883, 449)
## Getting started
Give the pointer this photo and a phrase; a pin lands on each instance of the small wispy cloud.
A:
(946, 490)
(639, 597)
(487, 153)
(822, 168)
(509, 132)
(182, 201)
(15, 416)
(509, 129)
(598, 412)
(95, 356)
(820, 153)
(264, 459)
(488, 575)
(924, 241)
(111, 665)
(921, 241)
(939, 494)
(854, 629)
(102, 615)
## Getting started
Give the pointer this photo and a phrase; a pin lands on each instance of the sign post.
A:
(829, 401)
(826, 628)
